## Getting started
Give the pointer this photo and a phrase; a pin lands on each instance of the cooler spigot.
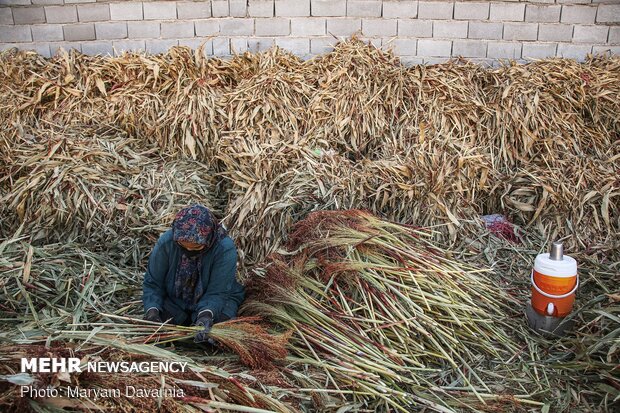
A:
(557, 251)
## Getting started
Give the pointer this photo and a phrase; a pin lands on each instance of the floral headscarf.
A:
(198, 225)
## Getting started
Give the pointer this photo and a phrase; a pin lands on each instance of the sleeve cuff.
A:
(204, 311)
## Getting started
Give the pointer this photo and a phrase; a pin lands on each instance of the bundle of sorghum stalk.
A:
(385, 313)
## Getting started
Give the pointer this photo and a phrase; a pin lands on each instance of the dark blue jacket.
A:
(219, 267)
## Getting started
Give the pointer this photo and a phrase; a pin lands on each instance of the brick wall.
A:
(419, 31)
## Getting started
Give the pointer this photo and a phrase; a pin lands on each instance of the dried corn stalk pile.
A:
(424, 145)
(555, 134)
(95, 185)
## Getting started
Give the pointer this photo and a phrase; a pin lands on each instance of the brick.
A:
(81, 31)
(176, 30)
(159, 11)
(573, 51)
(221, 46)
(614, 35)
(111, 30)
(61, 14)
(471, 11)
(606, 49)
(469, 48)
(507, 12)
(434, 48)
(364, 8)
(8, 46)
(292, 8)
(608, 13)
(542, 14)
(15, 34)
(435, 60)
(504, 50)
(295, 45)
(47, 2)
(97, 48)
(156, 46)
(485, 30)
(435, 10)
(400, 9)
(578, 14)
(415, 28)
(308, 26)
(520, 31)
(42, 48)
(321, 45)
(237, 27)
(555, 32)
(328, 8)
(411, 61)
(277, 26)
(219, 8)
(261, 8)
(126, 11)
(6, 15)
(15, 2)
(539, 50)
(450, 29)
(197, 43)
(379, 27)
(238, 8)
(575, 1)
(55, 48)
(142, 30)
(485, 62)
(121, 46)
(207, 27)
(374, 42)
(93, 12)
(590, 34)
(47, 33)
(260, 45)
(238, 45)
(28, 15)
(343, 27)
(80, 1)
(405, 47)
(187, 10)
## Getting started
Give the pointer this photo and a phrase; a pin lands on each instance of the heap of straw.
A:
(429, 145)
(91, 184)
(106, 149)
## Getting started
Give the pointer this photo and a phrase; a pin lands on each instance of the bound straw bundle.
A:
(248, 337)
(384, 312)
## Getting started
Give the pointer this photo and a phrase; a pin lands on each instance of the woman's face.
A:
(191, 246)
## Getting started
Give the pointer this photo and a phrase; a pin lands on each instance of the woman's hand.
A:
(205, 320)
(153, 315)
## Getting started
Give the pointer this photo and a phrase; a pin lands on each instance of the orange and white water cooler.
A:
(554, 284)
